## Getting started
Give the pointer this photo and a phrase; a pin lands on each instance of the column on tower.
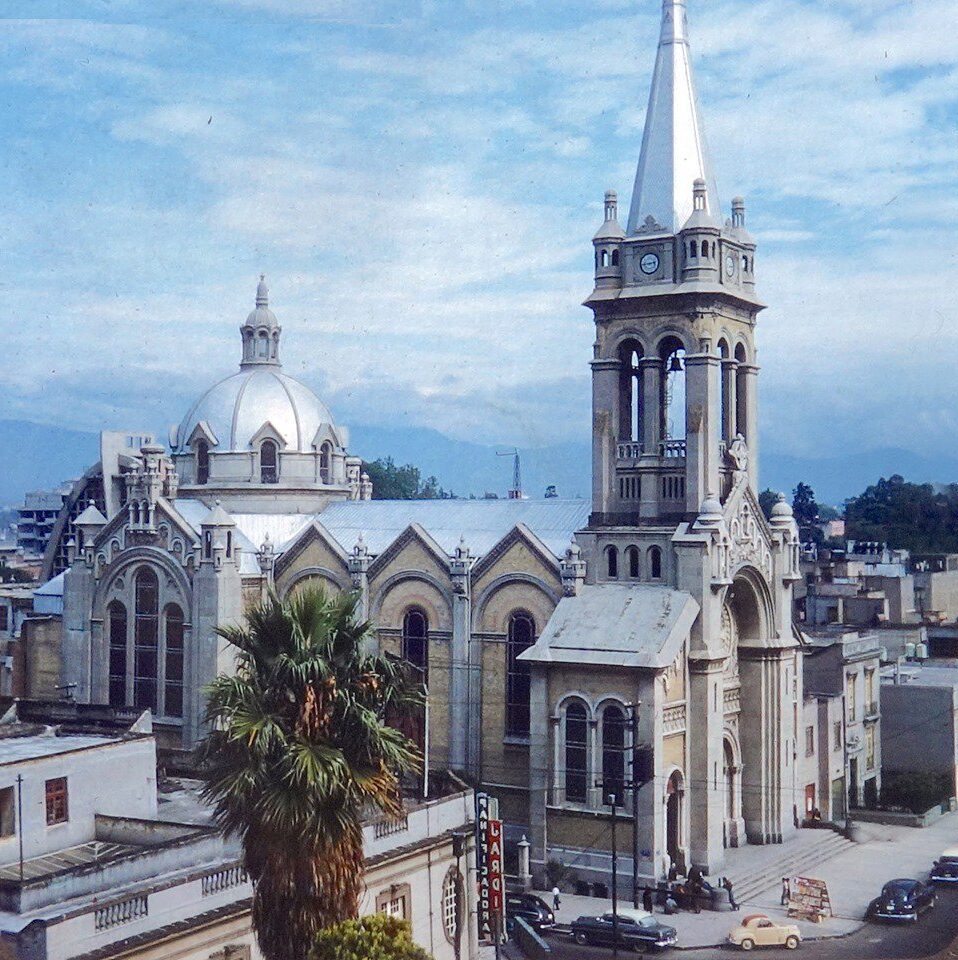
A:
(703, 405)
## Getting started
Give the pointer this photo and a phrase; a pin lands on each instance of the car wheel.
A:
(580, 938)
(792, 943)
(747, 944)
(636, 946)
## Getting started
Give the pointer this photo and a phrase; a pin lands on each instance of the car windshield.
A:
(898, 888)
(648, 923)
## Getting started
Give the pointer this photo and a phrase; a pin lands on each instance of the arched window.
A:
(173, 682)
(145, 639)
(613, 753)
(326, 462)
(727, 374)
(522, 635)
(576, 753)
(672, 352)
(615, 258)
(116, 617)
(632, 556)
(268, 468)
(415, 641)
(695, 250)
(612, 562)
(202, 462)
(630, 391)
(655, 563)
(207, 544)
(262, 346)
(605, 258)
(229, 543)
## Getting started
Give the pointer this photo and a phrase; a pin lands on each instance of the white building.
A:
(111, 868)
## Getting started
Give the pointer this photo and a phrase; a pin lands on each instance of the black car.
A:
(530, 908)
(945, 869)
(637, 931)
(902, 900)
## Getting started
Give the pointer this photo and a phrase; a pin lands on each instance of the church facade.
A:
(636, 645)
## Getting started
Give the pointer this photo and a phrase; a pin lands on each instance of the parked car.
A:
(902, 900)
(945, 869)
(638, 930)
(757, 930)
(532, 909)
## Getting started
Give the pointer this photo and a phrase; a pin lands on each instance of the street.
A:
(932, 933)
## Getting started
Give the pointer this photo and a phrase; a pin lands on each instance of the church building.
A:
(638, 646)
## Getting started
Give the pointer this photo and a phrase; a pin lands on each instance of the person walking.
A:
(727, 884)
(647, 902)
(695, 889)
(556, 901)
(786, 891)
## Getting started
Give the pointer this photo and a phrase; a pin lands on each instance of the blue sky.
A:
(421, 184)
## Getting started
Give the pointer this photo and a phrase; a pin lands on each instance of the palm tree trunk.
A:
(297, 895)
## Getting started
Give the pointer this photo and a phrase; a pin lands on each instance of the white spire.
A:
(674, 151)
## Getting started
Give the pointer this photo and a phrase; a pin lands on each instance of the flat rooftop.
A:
(19, 749)
(94, 851)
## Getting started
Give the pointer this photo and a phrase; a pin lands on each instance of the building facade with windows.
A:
(541, 627)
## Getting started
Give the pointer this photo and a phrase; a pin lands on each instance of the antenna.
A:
(516, 492)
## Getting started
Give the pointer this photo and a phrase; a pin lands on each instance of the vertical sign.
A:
(482, 866)
(494, 866)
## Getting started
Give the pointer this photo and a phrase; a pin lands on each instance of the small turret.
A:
(608, 269)
(700, 236)
(218, 531)
(261, 331)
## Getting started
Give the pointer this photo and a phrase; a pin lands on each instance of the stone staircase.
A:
(754, 869)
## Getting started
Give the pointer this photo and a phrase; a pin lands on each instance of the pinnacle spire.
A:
(674, 150)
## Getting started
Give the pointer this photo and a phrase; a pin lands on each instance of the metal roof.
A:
(674, 150)
(482, 523)
(21, 749)
(623, 625)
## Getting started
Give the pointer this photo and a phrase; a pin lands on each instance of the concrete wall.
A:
(919, 728)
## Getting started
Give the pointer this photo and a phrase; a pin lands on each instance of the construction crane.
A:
(516, 492)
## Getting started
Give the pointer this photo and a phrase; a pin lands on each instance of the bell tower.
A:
(674, 372)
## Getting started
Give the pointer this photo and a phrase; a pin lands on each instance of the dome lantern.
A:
(260, 332)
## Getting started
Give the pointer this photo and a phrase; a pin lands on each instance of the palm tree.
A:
(299, 749)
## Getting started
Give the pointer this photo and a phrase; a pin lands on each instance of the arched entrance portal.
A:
(757, 754)
(674, 813)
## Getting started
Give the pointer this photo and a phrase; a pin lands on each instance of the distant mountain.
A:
(39, 456)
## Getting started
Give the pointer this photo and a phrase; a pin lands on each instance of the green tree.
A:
(806, 513)
(394, 482)
(377, 937)
(299, 747)
(911, 516)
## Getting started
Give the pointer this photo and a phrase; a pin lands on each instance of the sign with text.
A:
(494, 866)
(487, 808)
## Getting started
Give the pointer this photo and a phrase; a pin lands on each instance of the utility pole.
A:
(20, 820)
(615, 871)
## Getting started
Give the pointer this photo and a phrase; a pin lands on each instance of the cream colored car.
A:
(758, 931)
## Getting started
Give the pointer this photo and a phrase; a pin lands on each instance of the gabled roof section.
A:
(520, 533)
(413, 533)
(202, 431)
(617, 625)
(268, 432)
(311, 533)
(674, 150)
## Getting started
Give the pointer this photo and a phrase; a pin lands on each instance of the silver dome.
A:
(235, 409)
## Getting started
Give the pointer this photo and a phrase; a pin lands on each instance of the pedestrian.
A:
(671, 907)
(695, 887)
(727, 884)
(556, 902)
(647, 902)
(786, 891)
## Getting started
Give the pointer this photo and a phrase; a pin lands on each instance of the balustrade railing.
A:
(630, 450)
(124, 911)
(225, 879)
(672, 449)
(386, 828)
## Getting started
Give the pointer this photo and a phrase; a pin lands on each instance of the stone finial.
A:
(262, 292)
(460, 566)
(572, 570)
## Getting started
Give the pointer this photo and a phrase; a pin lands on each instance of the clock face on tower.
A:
(730, 266)
(649, 264)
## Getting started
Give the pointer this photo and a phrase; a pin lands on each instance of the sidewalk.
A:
(854, 878)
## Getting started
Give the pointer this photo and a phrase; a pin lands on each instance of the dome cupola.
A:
(261, 331)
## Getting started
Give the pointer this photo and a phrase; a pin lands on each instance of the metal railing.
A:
(124, 911)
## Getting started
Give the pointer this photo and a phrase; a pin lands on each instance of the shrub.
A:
(377, 937)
